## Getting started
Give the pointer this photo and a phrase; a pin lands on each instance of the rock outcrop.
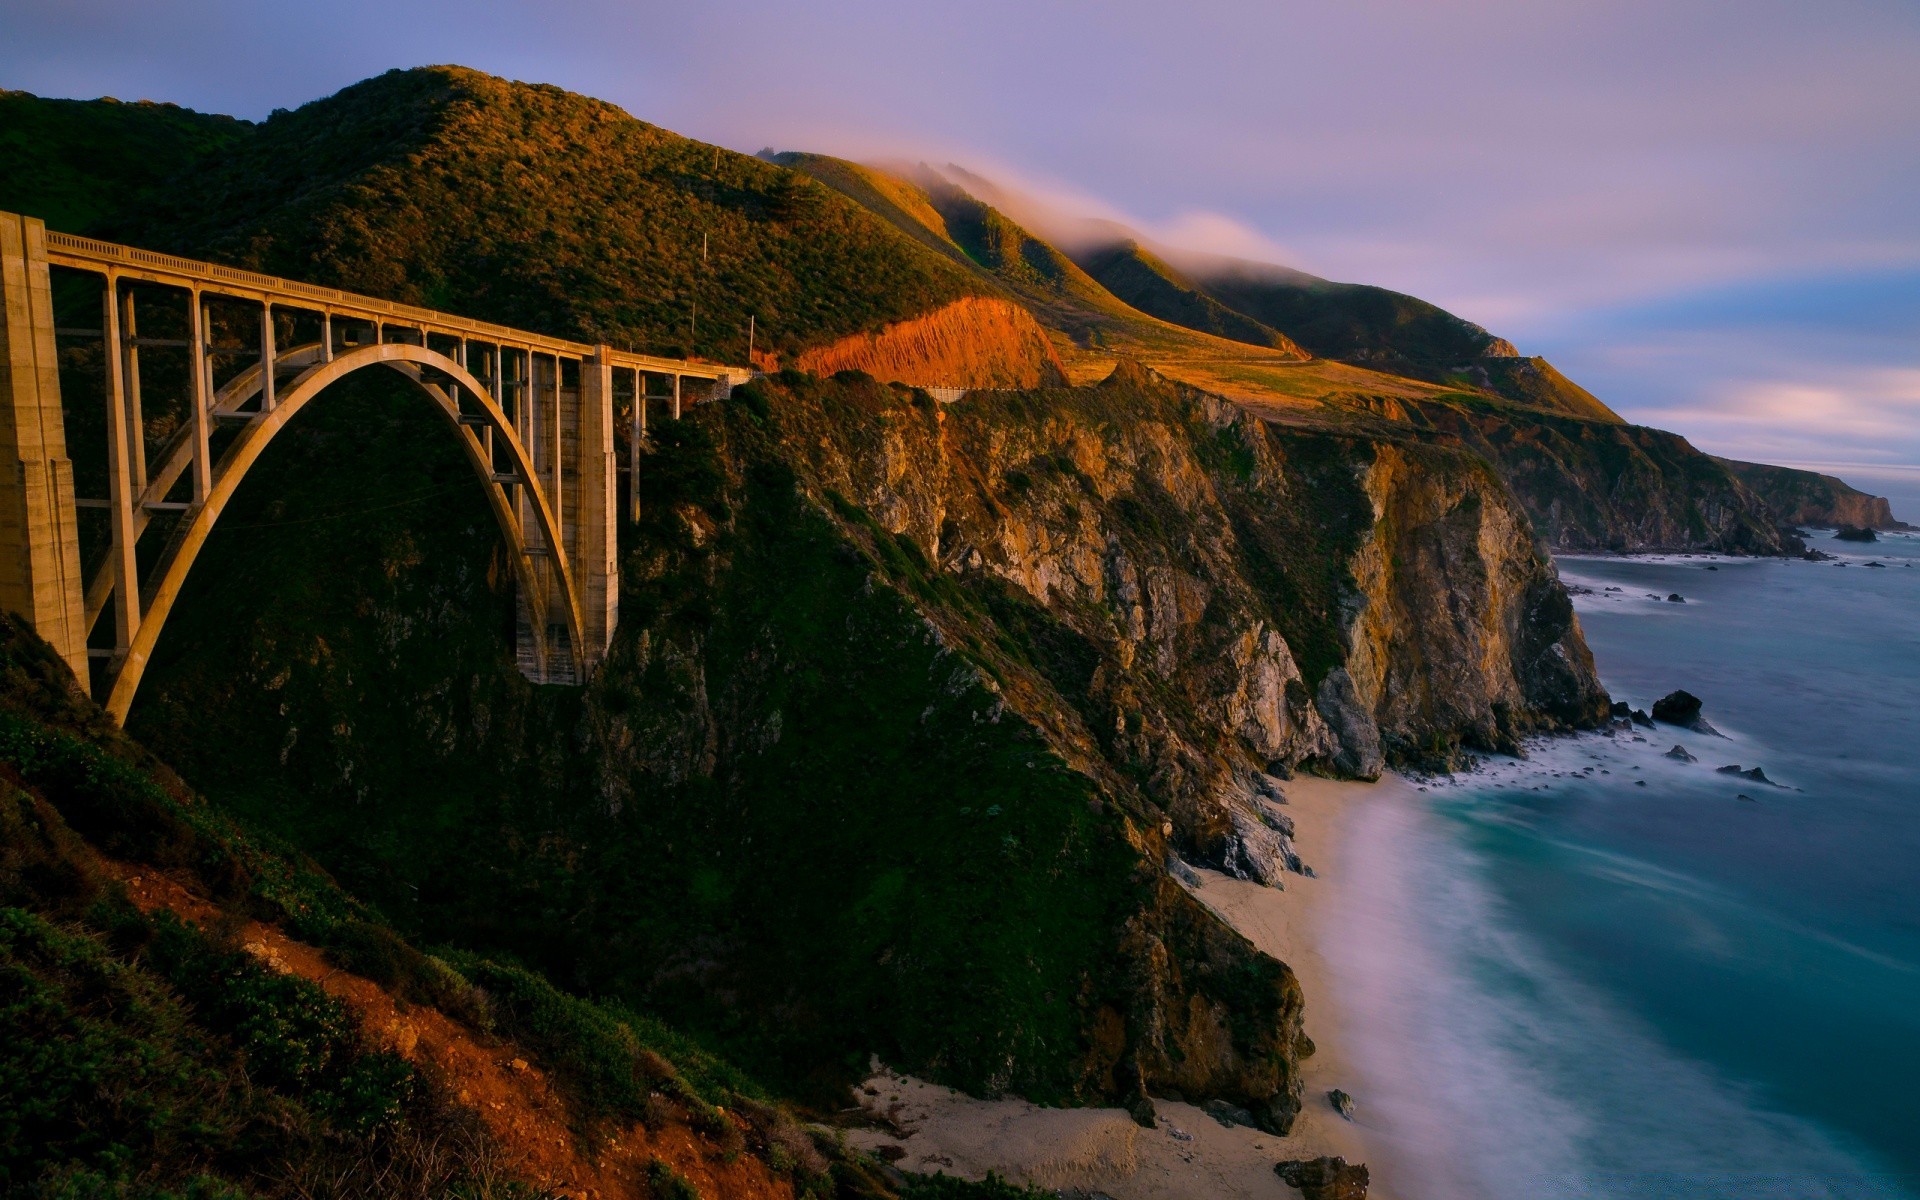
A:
(1602, 485)
(1799, 497)
(1327, 1178)
(901, 685)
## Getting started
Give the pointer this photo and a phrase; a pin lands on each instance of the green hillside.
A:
(78, 164)
(1150, 284)
(1389, 331)
(547, 210)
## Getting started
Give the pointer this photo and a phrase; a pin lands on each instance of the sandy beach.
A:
(1189, 1156)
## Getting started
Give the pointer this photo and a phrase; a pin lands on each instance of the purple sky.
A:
(1708, 212)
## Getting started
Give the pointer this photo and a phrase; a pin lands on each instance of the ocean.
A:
(1602, 972)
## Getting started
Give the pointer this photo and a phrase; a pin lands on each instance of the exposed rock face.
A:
(972, 342)
(1809, 498)
(1600, 485)
(900, 685)
(1325, 1178)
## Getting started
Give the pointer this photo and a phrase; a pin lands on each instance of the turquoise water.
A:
(1601, 972)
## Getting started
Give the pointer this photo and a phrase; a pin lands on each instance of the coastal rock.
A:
(1679, 754)
(1854, 533)
(1683, 708)
(1257, 849)
(1753, 773)
(1141, 1110)
(1676, 598)
(1341, 1102)
(1677, 708)
(1325, 1178)
(1359, 735)
(1227, 1114)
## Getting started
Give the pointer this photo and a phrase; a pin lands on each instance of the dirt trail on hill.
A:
(519, 1103)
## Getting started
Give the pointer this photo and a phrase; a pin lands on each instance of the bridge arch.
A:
(408, 360)
(535, 420)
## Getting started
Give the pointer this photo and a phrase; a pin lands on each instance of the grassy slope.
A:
(551, 211)
(1095, 327)
(146, 1054)
(1150, 284)
(1389, 331)
(77, 163)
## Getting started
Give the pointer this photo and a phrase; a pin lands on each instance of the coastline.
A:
(1189, 1155)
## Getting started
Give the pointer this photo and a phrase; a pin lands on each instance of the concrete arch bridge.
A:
(228, 358)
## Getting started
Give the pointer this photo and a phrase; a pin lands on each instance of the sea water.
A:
(1601, 971)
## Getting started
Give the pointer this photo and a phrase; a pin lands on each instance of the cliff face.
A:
(1598, 485)
(908, 709)
(975, 342)
(1809, 498)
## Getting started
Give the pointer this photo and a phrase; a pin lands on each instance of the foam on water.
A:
(1601, 972)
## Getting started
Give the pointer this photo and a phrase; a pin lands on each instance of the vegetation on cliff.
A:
(190, 1010)
(1144, 280)
(1800, 497)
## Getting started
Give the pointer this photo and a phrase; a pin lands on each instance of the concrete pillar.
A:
(598, 570)
(121, 496)
(136, 423)
(200, 383)
(267, 398)
(636, 429)
(39, 539)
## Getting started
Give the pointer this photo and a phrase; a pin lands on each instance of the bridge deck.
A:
(130, 262)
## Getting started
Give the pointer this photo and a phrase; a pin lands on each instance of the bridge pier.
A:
(39, 535)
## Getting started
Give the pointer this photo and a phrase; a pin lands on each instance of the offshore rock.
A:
(1679, 754)
(1326, 1178)
(1683, 708)
(1854, 533)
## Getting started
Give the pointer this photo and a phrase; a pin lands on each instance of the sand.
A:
(1189, 1156)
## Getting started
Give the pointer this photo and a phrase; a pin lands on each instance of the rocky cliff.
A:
(1809, 498)
(1599, 485)
(910, 708)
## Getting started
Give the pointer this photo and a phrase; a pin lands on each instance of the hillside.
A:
(551, 211)
(187, 1009)
(79, 163)
(1388, 331)
(1809, 498)
(1593, 485)
(1150, 284)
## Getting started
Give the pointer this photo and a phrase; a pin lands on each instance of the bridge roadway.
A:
(535, 416)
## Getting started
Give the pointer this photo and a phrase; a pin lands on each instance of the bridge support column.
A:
(39, 539)
(596, 509)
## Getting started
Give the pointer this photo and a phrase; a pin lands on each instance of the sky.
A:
(1705, 211)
